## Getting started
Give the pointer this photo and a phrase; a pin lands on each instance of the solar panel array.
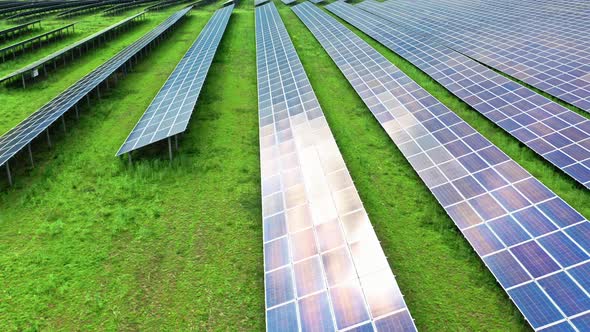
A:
(87, 8)
(324, 267)
(81, 43)
(45, 10)
(534, 243)
(21, 45)
(171, 109)
(559, 135)
(16, 30)
(116, 9)
(25, 132)
(547, 49)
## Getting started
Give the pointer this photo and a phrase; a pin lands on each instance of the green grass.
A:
(89, 243)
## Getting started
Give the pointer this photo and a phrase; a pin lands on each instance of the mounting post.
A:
(30, 155)
(48, 138)
(8, 173)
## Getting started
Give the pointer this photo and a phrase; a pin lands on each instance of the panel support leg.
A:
(170, 148)
(48, 138)
(63, 122)
(8, 173)
(30, 155)
(176, 141)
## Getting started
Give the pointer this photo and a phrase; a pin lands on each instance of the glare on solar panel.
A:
(324, 267)
(533, 242)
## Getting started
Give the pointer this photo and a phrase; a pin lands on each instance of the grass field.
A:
(89, 243)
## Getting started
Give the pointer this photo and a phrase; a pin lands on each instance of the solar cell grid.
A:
(551, 130)
(555, 63)
(171, 109)
(530, 239)
(25, 132)
(324, 267)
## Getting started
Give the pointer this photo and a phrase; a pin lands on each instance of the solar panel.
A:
(16, 30)
(171, 109)
(25, 132)
(125, 6)
(259, 2)
(29, 42)
(81, 43)
(288, 2)
(534, 243)
(87, 8)
(543, 48)
(324, 267)
(44, 10)
(559, 135)
(316, 1)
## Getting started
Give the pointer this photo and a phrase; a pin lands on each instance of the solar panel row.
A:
(171, 109)
(33, 67)
(324, 267)
(9, 10)
(17, 30)
(559, 135)
(25, 132)
(45, 10)
(87, 8)
(259, 2)
(115, 10)
(21, 46)
(165, 4)
(533, 242)
(544, 51)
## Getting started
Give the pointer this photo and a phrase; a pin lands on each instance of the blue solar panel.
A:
(539, 46)
(171, 109)
(324, 267)
(554, 132)
(513, 221)
(25, 132)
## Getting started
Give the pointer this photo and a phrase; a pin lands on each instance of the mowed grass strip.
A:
(89, 243)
